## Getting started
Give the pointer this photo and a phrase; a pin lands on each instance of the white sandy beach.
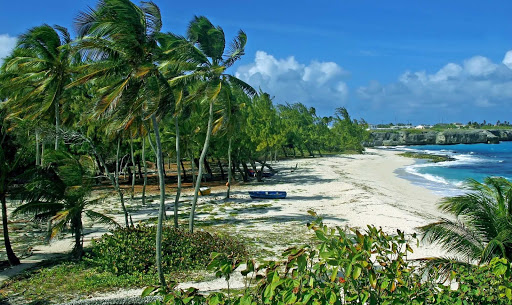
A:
(348, 190)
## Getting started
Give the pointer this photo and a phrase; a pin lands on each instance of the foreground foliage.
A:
(482, 229)
(353, 268)
(131, 250)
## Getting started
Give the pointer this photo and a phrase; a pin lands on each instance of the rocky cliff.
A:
(458, 136)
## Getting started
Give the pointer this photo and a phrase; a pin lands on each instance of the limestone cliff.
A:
(458, 136)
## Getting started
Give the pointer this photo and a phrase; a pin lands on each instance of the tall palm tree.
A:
(205, 47)
(483, 225)
(231, 119)
(121, 40)
(40, 68)
(61, 189)
(8, 162)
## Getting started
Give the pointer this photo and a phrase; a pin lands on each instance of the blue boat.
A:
(267, 194)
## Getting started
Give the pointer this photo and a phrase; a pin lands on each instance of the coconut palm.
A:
(483, 225)
(61, 189)
(205, 47)
(231, 119)
(9, 160)
(121, 40)
(39, 69)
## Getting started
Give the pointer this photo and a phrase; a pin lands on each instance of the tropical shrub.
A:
(350, 267)
(130, 250)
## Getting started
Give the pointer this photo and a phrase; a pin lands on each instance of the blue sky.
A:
(386, 61)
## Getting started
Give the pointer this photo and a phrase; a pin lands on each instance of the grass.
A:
(62, 281)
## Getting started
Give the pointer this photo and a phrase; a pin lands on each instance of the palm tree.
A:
(61, 190)
(231, 120)
(39, 69)
(8, 162)
(205, 47)
(483, 225)
(121, 39)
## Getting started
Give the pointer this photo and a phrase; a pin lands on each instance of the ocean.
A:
(475, 161)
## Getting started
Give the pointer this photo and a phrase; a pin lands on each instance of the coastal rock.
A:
(415, 137)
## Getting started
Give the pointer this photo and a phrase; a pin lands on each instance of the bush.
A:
(353, 268)
(131, 250)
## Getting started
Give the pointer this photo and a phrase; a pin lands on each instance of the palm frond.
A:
(237, 49)
(153, 17)
(101, 218)
(245, 87)
(455, 237)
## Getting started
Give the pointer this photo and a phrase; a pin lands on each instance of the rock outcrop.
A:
(459, 136)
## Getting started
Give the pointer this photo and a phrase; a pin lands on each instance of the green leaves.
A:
(129, 250)
(482, 228)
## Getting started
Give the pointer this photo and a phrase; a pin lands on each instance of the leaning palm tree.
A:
(120, 40)
(61, 190)
(230, 120)
(9, 161)
(39, 69)
(205, 47)
(483, 225)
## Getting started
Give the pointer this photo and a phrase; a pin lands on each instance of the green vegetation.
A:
(69, 280)
(122, 82)
(429, 157)
(76, 112)
(352, 268)
(130, 250)
(481, 230)
(61, 190)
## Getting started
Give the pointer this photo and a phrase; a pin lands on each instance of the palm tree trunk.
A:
(222, 174)
(111, 177)
(193, 169)
(38, 154)
(145, 171)
(230, 174)
(57, 125)
(11, 257)
(184, 170)
(133, 167)
(42, 152)
(118, 189)
(161, 177)
(200, 170)
(78, 248)
(178, 168)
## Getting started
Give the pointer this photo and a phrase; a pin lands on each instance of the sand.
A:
(348, 190)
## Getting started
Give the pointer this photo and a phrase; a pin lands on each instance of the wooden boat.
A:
(267, 194)
(203, 191)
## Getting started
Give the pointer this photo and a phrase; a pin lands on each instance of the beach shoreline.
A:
(345, 190)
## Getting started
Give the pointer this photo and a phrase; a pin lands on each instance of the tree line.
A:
(121, 85)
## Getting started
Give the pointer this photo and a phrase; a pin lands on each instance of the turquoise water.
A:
(475, 161)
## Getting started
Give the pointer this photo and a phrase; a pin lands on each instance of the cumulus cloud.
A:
(7, 43)
(507, 60)
(317, 84)
(472, 90)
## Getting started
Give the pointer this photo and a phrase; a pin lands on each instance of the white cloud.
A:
(318, 84)
(479, 66)
(476, 88)
(507, 60)
(7, 43)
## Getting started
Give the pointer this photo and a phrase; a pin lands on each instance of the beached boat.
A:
(267, 194)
